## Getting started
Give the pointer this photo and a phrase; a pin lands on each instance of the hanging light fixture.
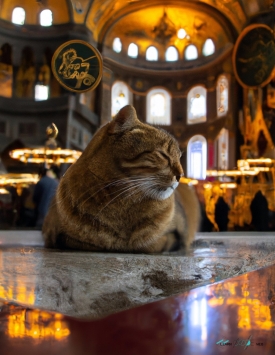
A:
(181, 33)
(49, 154)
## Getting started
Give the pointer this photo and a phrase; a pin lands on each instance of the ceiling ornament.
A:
(164, 30)
(77, 66)
(49, 154)
(254, 56)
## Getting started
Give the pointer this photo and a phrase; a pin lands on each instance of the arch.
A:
(191, 52)
(222, 95)
(46, 18)
(18, 16)
(196, 105)
(41, 92)
(158, 103)
(208, 47)
(117, 45)
(133, 50)
(26, 74)
(151, 53)
(121, 96)
(223, 149)
(197, 157)
(171, 54)
(6, 70)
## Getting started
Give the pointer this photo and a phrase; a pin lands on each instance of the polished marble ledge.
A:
(93, 285)
(234, 316)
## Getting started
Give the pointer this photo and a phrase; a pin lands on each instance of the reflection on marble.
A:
(228, 317)
(36, 324)
(85, 284)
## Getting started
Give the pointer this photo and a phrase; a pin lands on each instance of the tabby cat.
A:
(121, 193)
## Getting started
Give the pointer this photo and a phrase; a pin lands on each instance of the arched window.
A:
(26, 74)
(46, 18)
(151, 53)
(158, 104)
(208, 47)
(41, 92)
(196, 157)
(171, 54)
(121, 96)
(196, 105)
(117, 45)
(222, 95)
(223, 149)
(133, 50)
(6, 70)
(18, 16)
(191, 52)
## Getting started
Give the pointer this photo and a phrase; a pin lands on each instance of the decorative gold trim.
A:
(97, 54)
(234, 54)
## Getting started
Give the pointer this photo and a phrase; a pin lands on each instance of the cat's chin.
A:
(163, 195)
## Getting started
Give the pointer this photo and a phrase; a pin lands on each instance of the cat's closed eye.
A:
(164, 155)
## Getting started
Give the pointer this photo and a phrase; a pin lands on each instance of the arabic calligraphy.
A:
(77, 66)
(74, 67)
(254, 56)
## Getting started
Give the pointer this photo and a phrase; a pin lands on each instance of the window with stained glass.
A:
(196, 157)
(158, 107)
(196, 105)
(121, 96)
(18, 16)
(222, 95)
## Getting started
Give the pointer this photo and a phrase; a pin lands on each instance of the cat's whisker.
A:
(107, 204)
(118, 182)
(126, 181)
(136, 187)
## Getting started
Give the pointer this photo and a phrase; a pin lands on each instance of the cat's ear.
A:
(124, 120)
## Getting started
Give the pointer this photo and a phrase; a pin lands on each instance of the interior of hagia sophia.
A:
(203, 70)
(181, 64)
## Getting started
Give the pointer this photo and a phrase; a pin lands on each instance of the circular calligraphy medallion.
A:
(77, 66)
(254, 56)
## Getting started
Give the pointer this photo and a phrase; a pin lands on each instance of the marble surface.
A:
(234, 316)
(93, 285)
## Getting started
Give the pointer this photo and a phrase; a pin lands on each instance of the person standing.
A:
(221, 214)
(260, 212)
(44, 192)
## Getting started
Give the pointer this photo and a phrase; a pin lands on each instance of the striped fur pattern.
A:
(123, 193)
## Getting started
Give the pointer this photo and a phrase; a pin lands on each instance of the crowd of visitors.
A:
(221, 212)
(221, 209)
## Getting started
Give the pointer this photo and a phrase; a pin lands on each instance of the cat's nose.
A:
(178, 178)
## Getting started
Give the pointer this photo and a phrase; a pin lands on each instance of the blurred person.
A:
(260, 212)
(221, 214)
(205, 225)
(44, 192)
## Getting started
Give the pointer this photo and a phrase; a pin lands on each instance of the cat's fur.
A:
(120, 194)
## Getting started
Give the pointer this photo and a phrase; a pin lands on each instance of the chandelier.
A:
(49, 154)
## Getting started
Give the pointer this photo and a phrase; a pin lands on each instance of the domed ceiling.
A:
(160, 26)
(100, 15)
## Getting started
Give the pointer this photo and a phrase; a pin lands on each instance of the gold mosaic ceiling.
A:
(101, 15)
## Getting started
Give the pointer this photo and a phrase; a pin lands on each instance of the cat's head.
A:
(143, 158)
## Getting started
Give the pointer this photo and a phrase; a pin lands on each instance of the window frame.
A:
(128, 92)
(190, 173)
(202, 118)
(168, 97)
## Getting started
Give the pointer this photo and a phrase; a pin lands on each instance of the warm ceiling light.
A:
(43, 155)
(231, 172)
(181, 33)
(13, 179)
(4, 191)
(207, 186)
(228, 185)
(187, 181)
(260, 160)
